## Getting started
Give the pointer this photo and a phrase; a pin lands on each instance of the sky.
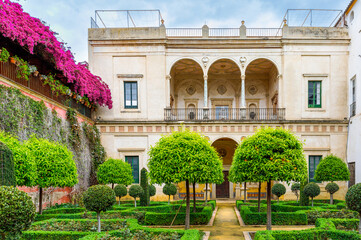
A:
(71, 18)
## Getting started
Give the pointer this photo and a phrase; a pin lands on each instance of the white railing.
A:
(264, 32)
(184, 32)
(224, 32)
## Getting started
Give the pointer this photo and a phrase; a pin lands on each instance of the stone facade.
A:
(223, 86)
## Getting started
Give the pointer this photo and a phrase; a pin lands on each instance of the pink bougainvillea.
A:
(29, 32)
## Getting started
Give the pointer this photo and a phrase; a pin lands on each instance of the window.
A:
(352, 16)
(130, 94)
(353, 97)
(313, 161)
(314, 94)
(134, 162)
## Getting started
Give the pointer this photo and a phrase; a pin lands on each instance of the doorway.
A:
(222, 190)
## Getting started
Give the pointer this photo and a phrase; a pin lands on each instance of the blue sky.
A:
(71, 18)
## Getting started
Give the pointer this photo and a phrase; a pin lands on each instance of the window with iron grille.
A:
(313, 161)
(314, 94)
(130, 94)
(134, 162)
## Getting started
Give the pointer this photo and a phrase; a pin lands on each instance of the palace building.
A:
(224, 83)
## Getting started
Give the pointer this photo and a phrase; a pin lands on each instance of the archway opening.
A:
(226, 148)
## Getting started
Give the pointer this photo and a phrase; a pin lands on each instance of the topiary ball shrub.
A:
(295, 188)
(99, 198)
(7, 169)
(120, 191)
(152, 190)
(353, 200)
(17, 211)
(332, 168)
(312, 190)
(135, 191)
(331, 188)
(169, 189)
(278, 189)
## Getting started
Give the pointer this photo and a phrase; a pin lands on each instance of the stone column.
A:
(205, 101)
(238, 192)
(243, 96)
(167, 99)
(213, 191)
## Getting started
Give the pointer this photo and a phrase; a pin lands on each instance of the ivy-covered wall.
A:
(23, 117)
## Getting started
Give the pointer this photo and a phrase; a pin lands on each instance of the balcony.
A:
(224, 114)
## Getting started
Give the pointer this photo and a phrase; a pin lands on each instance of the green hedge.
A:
(313, 215)
(343, 223)
(63, 210)
(198, 218)
(55, 235)
(255, 218)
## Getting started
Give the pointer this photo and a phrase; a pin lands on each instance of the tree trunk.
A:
(168, 199)
(118, 200)
(186, 227)
(40, 200)
(331, 198)
(98, 217)
(312, 202)
(206, 193)
(278, 199)
(135, 202)
(359, 226)
(112, 185)
(269, 213)
(194, 197)
(259, 196)
(245, 192)
(297, 198)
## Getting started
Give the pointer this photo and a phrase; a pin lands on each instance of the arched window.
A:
(352, 16)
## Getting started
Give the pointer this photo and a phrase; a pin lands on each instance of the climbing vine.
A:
(22, 116)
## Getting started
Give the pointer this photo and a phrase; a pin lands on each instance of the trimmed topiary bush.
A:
(295, 188)
(331, 188)
(135, 191)
(115, 171)
(7, 170)
(152, 190)
(144, 198)
(312, 190)
(304, 200)
(169, 189)
(17, 211)
(278, 189)
(120, 191)
(332, 168)
(99, 198)
(353, 200)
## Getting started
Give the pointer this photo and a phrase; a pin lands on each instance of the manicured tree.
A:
(312, 190)
(120, 191)
(115, 171)
(24, 162)
(55, 165)
(278, 189)
(269, 155)
(184, 156)
(295, 188)
(17, 212)
(169, 189)
(152, 190)
(353, 200)
(135, 191)
(304, 200)
(7, 171)
(332, 168)
(144, 198)
(99, 198)
(331, 188)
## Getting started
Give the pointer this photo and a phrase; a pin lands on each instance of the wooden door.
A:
(222, 190)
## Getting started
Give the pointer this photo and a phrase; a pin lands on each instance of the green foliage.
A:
(120, 190)
(278, 189)
(353, 198)
(17, 211)
(135, 191)
(269, 154)
(22, 70)
(99, 198)
(295, 187)
(54, 162)
(24, 162)
(74, 137)
(152, 190)
(184, 155)
(332, 188)
(4, 55)
(7, 171)
(278, 218)
(144, 198)
(332, 168)
(304, 200)
(312, 190)
(59, 235)
(313, 215)
(169, 189)
(115, 171)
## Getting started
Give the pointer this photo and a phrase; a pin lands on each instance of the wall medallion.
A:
(252, 89)
(191, 90)
(221, 89)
